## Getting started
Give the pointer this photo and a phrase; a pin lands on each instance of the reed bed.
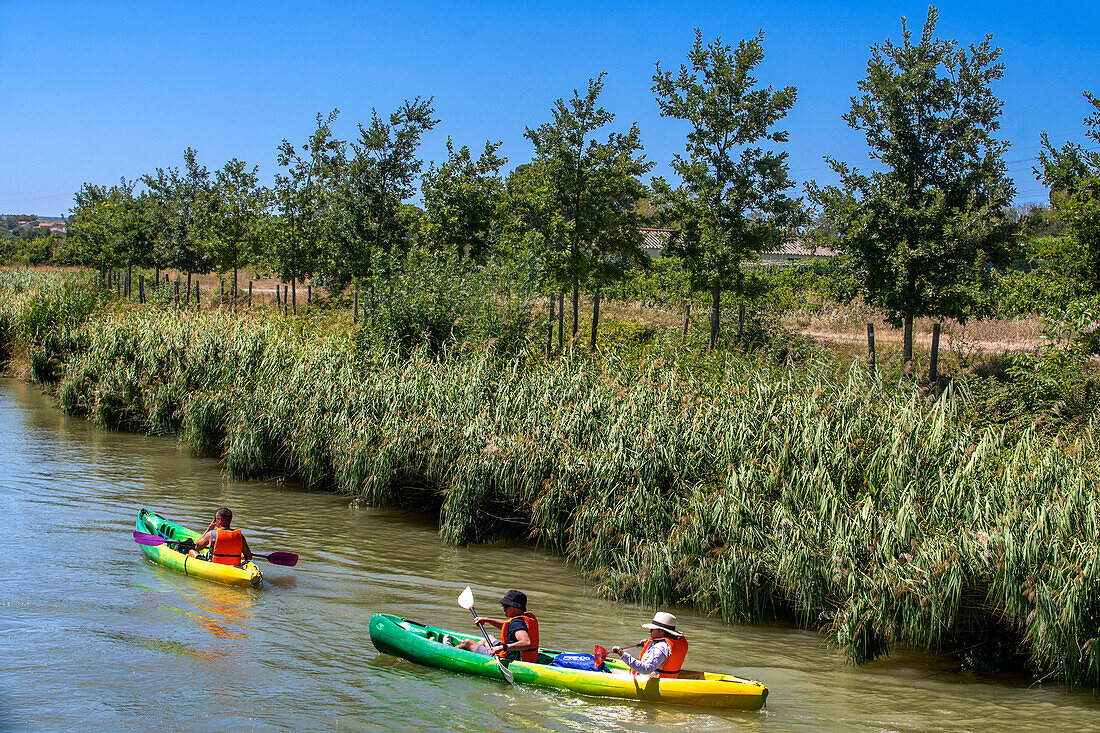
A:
(750, 489)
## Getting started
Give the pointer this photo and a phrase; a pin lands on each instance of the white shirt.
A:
(653, 659)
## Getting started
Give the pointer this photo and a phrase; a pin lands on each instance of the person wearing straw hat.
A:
(664, 652)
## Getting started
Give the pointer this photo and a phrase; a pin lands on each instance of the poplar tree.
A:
(731, 203)
(926, 229)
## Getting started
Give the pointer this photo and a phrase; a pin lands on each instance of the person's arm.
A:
(245, 550)
(653, 659)
(522, 642)
(203, 541)
(490, 621)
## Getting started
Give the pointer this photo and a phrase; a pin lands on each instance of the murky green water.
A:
(92, 637)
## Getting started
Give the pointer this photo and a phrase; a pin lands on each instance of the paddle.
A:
(288, 559)
(466, 600)
(600, 654)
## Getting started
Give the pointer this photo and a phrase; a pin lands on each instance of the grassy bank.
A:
(745, 485)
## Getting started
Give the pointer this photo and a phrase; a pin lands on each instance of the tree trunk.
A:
(187, 300)
(249, 293)
(687, 320)
(740, 321)
(595, 319)
(907, 340)
(561, 319)
(576, 306)
(550, 329)
(933, 362)
(129, 280)
(234, 287)
(156, 280)
(716, 294)
(294, 295)
(278, 298)
(355, 305)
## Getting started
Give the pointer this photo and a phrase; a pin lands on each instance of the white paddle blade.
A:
(466, 600)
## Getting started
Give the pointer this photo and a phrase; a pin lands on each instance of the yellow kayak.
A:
(247, 575)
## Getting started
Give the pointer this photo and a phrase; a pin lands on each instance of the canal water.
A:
(93, 637)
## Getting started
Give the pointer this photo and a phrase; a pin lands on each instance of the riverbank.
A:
(745, 485)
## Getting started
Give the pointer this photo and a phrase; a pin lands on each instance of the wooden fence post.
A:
(871, 349)
(933, 363)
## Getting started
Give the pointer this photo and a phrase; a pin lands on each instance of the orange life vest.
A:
(527, 655)
(678, 651)
(226, 546)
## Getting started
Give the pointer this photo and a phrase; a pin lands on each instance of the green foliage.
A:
(180, 207)
(462, 201)
(732, 202)
(433, 302)
(376, 228)
(1073, 173)
(925, 230)
(299, 237)
(574, 207)
(1059, 371)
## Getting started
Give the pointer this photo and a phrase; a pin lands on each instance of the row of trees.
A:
(924, 228)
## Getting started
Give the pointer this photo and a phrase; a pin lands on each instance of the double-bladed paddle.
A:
(288, 559)
(466, 600)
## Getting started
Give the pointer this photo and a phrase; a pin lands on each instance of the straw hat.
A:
(664, 622)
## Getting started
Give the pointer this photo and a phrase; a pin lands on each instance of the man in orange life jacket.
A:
(227, 546)
(519, 631)
(664, 652)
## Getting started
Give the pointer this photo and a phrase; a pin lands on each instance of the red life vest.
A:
(678, 651)
(527, 655)
(226, 546)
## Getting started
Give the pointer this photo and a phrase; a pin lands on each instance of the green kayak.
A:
(422, 644)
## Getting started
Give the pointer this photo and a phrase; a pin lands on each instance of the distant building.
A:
(654, 241)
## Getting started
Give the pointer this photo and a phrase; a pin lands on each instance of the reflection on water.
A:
(94, 637)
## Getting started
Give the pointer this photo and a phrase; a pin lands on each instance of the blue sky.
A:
(95, 91)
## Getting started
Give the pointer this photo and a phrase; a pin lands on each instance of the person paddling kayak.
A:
(519, 630)
(227, 546)
(664, 652)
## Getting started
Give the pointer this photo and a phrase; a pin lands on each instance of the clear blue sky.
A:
(92, 91)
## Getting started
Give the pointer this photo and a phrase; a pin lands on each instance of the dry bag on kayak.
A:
(578, 661)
